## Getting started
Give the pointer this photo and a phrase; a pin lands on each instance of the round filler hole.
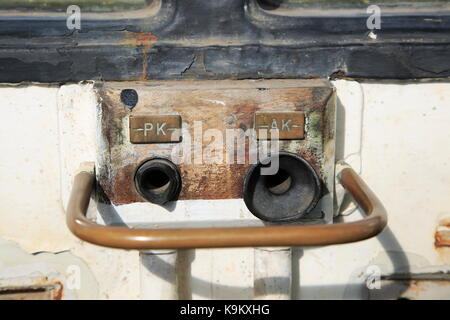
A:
(155, 181)
(279, 183)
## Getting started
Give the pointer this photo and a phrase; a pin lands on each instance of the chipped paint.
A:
(442, 235)
(61, 275)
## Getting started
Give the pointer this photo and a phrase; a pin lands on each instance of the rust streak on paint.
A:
(442, 239)
(58, 292)
(144, 41)
(442, 235)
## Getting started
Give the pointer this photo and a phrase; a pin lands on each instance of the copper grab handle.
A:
(271, 236)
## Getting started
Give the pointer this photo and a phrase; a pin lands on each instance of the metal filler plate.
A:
(206, 111)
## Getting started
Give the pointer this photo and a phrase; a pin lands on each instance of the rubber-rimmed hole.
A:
(155, 181)
(279, 183)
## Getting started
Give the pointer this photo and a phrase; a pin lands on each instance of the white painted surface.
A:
(158, 275)
(273, 274)
(32, 175)
(397, 133)
(405, 160)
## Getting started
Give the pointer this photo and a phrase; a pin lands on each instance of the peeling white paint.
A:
(215, 101)
(19, 268)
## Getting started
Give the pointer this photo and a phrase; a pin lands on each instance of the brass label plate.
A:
(155, 129)
(290, 125)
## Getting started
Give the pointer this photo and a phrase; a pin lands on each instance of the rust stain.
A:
(442, 235)
(58, 292)
(442, 239)
(416, 287)
(208, 182)
(199, 182)
(144, 41)
(121, 189)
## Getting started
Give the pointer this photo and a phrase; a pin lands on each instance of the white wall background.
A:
(395, 134)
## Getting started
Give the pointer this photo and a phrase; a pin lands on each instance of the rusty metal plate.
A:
(33, 292)
(290, 125)
(155, 129)
(212, 107)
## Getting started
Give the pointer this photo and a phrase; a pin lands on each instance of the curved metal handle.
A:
(290, 235)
